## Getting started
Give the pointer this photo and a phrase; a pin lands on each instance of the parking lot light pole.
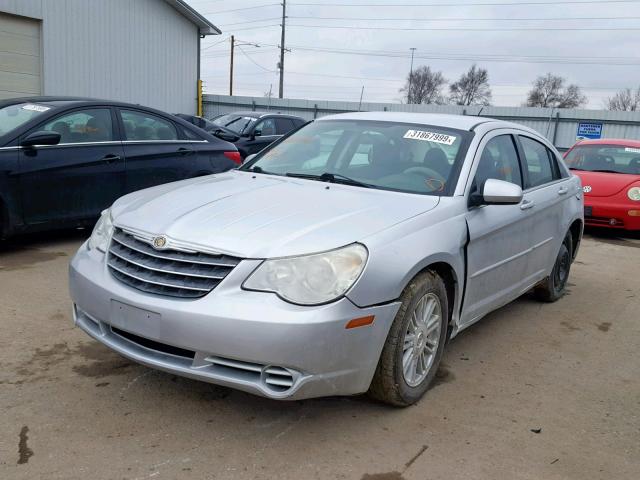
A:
(233, 46)
(413, 51)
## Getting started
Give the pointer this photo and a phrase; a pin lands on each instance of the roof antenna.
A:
(480, 111)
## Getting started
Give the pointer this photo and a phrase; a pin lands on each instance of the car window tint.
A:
(191, 135)
(83, 126)
(538, 164)
(283, 126)
(498, 160)
(266, 127)
(612, 158)
(145, 126)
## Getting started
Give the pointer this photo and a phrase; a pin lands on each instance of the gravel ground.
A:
(533, 391)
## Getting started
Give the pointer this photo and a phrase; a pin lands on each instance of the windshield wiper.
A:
(331, 178)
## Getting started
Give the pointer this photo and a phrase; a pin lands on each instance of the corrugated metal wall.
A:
(139, 51)
(558, 125)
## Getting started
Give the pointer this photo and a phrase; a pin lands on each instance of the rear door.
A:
(156, 150)
(80, 176)
(546, 190)
(497, 253)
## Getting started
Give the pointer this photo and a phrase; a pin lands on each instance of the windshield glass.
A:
(613, 158)
(14, 116)
(236, 123)
(385, 155)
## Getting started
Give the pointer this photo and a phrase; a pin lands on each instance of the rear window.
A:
(236, 123)
(605, 158)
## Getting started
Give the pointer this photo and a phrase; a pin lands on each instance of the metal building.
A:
(138, 51)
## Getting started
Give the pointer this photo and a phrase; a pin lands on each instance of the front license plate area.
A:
(588, 211)
(135, 320)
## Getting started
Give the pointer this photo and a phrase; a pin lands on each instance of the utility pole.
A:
(413, 50)
(233, 42)
(361, 94)
(284, 16)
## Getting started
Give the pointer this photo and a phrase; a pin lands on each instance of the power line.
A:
(455, 19)
(454, 29)
(241, 9)
(473, 4)
(253, 61)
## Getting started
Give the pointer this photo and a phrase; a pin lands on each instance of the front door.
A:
(79, 177)
(264, 133)
(499, 235)
(154, 149)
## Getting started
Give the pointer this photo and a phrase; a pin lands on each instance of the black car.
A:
(64, 160)
(250, 132)
(205, 124)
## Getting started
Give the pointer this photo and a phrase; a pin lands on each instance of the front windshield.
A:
(14, 116)
(607, 158)
(236, 123)
(384, 155)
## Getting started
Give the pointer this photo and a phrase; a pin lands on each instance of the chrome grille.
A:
(165, 272)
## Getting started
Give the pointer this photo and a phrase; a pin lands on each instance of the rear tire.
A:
(415, 344)
(553, 287)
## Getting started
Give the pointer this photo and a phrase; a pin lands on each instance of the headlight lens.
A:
(311, 279)
(102, 232)
(634, 194)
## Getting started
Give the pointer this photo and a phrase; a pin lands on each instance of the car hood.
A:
(605, 184)
(264, 216)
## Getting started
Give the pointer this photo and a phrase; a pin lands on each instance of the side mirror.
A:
(257, 132)
(499, 192)
(248, 158)
(43, 137)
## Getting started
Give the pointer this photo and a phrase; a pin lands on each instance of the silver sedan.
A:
(339, 260)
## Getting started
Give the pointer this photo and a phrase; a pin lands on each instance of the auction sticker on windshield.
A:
(430, 137)
(35, 108)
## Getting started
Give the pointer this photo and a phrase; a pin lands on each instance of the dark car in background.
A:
(205, 124)
(250, 132)
(64, 160)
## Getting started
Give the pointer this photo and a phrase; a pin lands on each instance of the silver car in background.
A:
(339, 260)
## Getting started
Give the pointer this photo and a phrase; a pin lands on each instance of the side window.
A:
(145, 126)
(83, 126)
(538, 163)
(266, 127)
(283, 126)
(499, 160)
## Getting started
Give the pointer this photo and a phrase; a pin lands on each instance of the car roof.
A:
(64, 102)
(459, 122)
(250, 113)
(611, 141)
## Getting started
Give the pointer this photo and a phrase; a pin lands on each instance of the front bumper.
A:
(251, 341)
(611, 212)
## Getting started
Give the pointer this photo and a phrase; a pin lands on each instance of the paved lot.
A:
(534, 391)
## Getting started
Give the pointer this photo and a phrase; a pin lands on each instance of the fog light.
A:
(634, 213)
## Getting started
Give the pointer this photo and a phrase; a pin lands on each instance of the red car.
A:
(610, 174)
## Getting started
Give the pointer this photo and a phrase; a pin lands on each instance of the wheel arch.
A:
(576, 229)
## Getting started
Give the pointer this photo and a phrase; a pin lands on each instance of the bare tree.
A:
(472, 88)
(424, 86)
(549, 91)
(625, 100)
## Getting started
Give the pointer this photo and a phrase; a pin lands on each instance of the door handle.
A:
(185, 151)
(110, 158)
(563, 191)
(527, 204)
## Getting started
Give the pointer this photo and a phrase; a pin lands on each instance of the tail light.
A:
(235, 156)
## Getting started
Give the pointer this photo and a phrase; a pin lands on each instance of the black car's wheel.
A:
(554, 286)
(414, 346)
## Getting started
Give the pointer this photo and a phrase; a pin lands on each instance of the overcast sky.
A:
(604, 33)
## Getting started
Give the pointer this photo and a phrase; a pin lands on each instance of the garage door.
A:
(19, 56)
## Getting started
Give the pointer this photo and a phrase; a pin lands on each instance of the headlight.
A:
(634, 194)
(102, 232)
(311, 279)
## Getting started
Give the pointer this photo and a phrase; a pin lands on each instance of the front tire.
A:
(554, 286)
(415, 344)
